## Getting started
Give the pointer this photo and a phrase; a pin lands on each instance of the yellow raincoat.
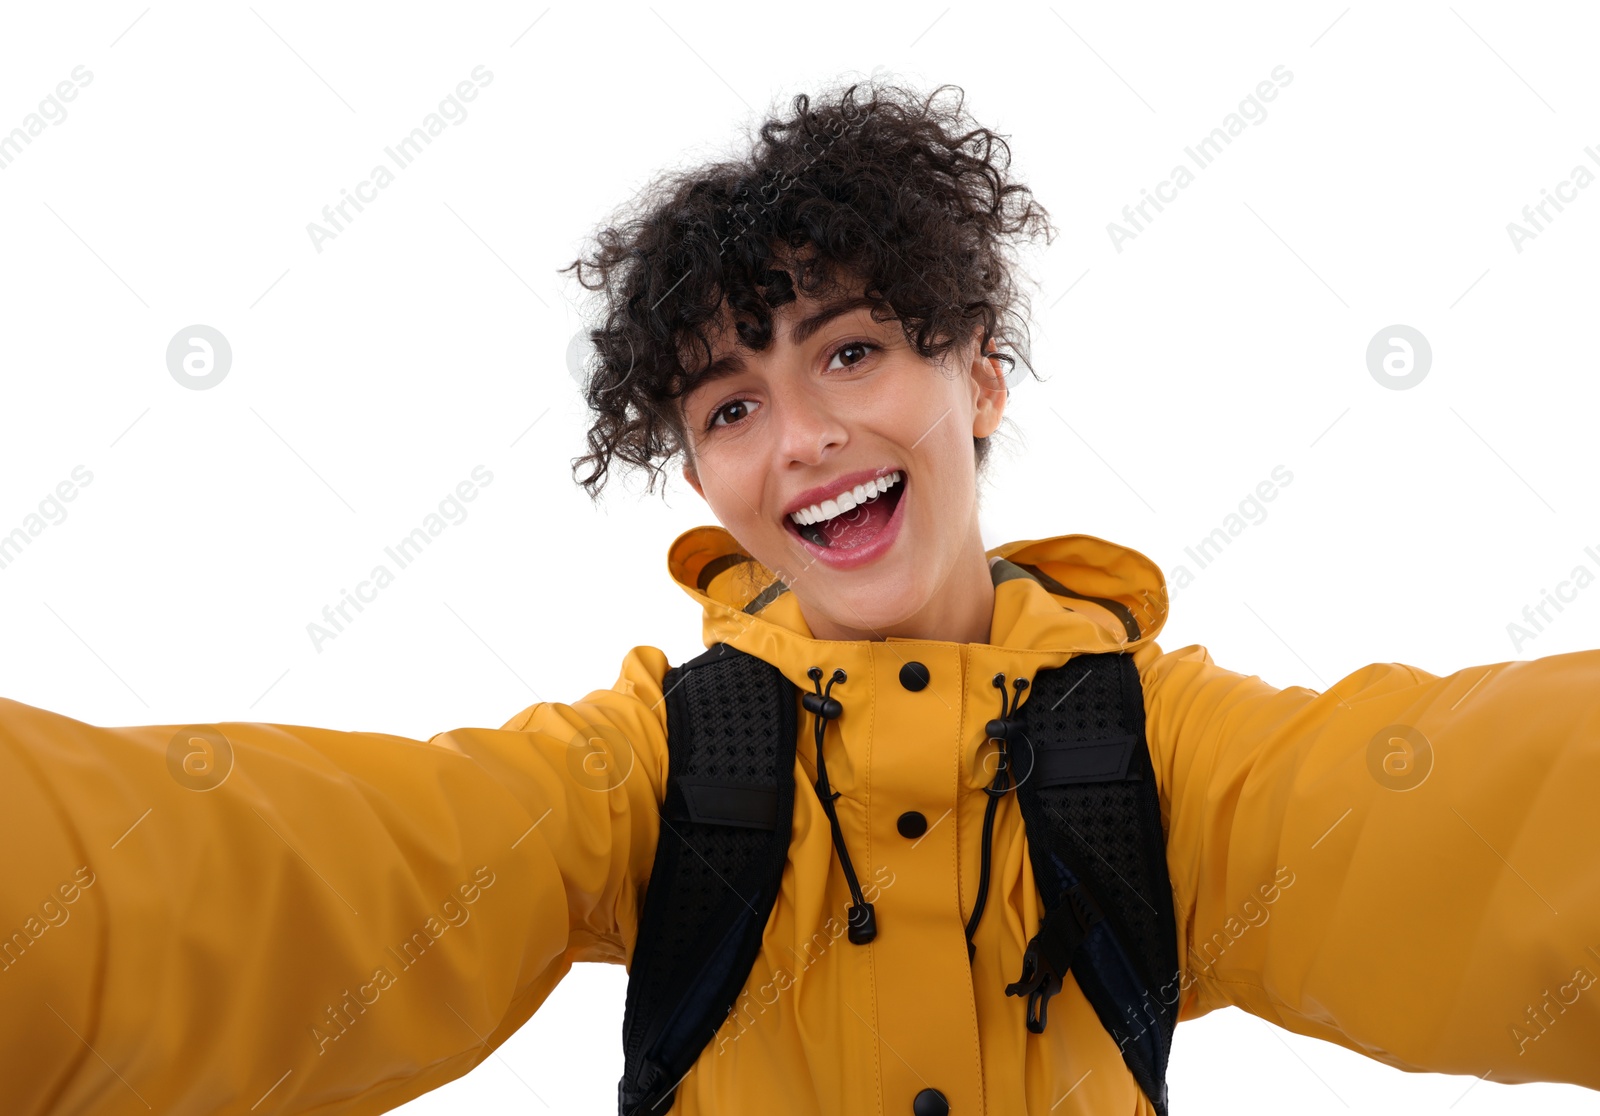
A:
(351, 919)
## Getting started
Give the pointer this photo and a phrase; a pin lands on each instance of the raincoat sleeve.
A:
(1407, 865)
(244, 917)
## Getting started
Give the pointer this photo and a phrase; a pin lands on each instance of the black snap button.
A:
(930, 1102)
(912, 824)
(914, 676)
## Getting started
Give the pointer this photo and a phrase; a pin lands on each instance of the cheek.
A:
(944, 452)
(942, 417)
(733, 485)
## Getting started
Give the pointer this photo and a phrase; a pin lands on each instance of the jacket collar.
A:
(1064, 595)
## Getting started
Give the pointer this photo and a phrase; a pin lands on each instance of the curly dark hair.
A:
(902, 194)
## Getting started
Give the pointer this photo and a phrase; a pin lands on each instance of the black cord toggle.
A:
(1000, 730)
(1004, 726)
(861, 918)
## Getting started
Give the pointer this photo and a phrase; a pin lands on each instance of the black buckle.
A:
(1039, 982)
(1049, 954)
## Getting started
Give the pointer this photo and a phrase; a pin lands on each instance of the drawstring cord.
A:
(999, 730)
(823, 707)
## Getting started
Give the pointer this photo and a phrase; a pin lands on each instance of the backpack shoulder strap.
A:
(1087, 792)
(724, 840)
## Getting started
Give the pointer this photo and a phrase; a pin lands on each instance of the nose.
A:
(808, 429)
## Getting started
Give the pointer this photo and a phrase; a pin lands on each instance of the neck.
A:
(960, 610)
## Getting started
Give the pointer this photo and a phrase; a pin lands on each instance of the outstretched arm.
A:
(1407, 865)
(206, 916)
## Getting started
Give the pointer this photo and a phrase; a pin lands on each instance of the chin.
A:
(878, 606)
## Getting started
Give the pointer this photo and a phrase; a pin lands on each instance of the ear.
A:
(988, 392)
(693, 479)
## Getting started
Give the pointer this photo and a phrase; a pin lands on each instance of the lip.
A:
(859, 555)
(837, 485)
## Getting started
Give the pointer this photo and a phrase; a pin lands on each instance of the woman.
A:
(813, 335)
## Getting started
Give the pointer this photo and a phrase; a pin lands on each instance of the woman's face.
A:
(842, 460)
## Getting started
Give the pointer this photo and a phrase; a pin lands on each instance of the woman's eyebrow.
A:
(807, 326)
(723, 366)
(732, 363)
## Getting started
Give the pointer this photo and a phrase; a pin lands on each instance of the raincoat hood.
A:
(1066, 595)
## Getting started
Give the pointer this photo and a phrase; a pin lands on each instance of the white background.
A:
(431, 336)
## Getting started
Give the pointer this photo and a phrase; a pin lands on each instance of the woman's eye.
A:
(730, 413)
(853, 345)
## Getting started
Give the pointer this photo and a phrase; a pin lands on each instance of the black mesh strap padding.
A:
(1087, 792)
(724, 840)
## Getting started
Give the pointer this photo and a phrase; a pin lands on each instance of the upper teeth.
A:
(845, 500)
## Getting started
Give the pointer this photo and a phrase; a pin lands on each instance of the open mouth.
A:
(854, 518)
